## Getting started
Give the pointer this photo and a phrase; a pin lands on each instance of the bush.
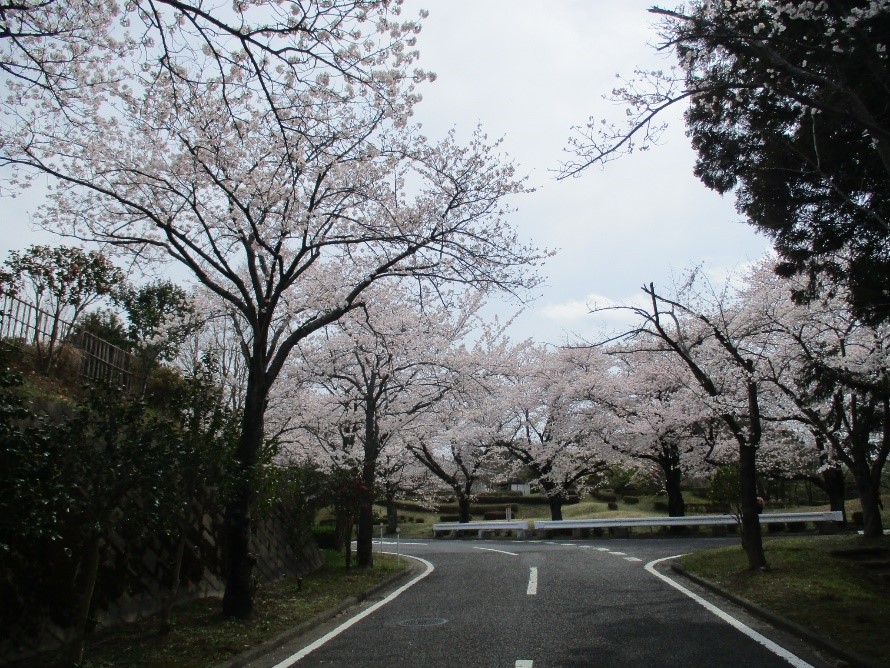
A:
(495, 515)
(608, 497)
(613, 505)
(419, 520)
(449, 518)
(630, 499)
(857, 519)
(796, 527)
(479, 508)
(775, 527)
(661, 506)
(325, 536)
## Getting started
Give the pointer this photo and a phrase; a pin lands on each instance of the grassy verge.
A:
(202, 637)
(838, 586)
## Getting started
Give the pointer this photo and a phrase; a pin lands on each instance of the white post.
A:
(398, 546)
(381, 539)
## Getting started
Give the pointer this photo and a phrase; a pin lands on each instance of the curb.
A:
(256, 652)
(855, 660)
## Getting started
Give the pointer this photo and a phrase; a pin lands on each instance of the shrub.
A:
(661, 506)
(630, 499)
(796, 527)
(419, 520)
(608, 497)
(449, 518)
(613, 505)
(857, 518)
(775, 527)
(325, 536)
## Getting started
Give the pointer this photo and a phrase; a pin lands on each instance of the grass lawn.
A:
(839, 586)
(203, 638)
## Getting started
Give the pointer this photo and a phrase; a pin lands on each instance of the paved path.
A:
(540, 604)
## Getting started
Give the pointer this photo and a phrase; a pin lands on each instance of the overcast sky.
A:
(528, 71)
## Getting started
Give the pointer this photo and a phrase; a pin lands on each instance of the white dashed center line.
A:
(532, 581)
(491, 549)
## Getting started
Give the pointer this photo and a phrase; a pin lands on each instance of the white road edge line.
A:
(491, 549)
(779, 651)
(532, 581)
(524, 663)
(293, 658)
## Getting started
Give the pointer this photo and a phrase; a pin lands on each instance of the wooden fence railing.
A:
(23, 324)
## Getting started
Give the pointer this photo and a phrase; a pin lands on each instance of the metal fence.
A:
(24, 325)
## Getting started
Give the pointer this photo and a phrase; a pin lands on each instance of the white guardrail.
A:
(689, 520)
(520, 526)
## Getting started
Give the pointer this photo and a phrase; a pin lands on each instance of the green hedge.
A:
(325, 536)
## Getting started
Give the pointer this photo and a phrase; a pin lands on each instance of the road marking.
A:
(393, 542)
(568, 544)
(794, 660)
(491, 549)
(293, 658)
(524, 663)
(618, 554)
(632, 559)
(532, 581)
(602, 549)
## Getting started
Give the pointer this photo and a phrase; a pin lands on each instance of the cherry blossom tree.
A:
(552, 428)
(832, 367)
(720, 348)
(659, 418)
(384, 367)
(459, 453)
(274, 162)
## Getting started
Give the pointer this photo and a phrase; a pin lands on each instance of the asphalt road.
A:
(540, 604)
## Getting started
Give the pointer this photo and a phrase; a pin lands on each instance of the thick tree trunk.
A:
(752, 541)
(833, 480)
(676, 504)
(555, 501)
(463, 508)
(364, 548)
(91, 571)
(238, 597)
(175, 577)
(392, 515)
(870, 500)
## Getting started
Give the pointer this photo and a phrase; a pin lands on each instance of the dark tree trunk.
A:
(175, 578)
(463, 508)
(392, 515)
(870, 500)
(238, 597)
(364, 546)
(752, 541)
(555, 501)
(672, 476)
(91, 571)
(833, 480)
(347, 543)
